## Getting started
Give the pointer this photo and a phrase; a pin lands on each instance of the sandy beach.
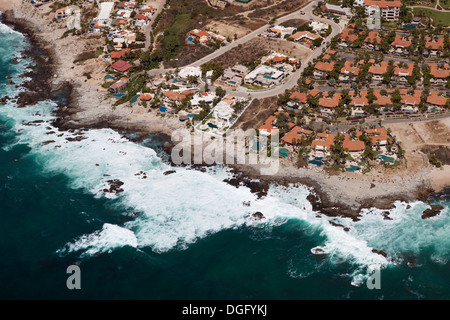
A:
(344, 193)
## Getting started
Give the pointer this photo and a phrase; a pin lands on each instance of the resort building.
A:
(390, 10)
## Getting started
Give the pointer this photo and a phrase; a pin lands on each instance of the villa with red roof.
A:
(321, 69)
(121, 66)
(296, 135)
(268, 128)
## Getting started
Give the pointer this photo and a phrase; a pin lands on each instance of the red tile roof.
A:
(296, 133)
(121, 66)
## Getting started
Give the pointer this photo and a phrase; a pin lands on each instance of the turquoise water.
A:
(316, 161)
(386, 158)
(352, 168)
(184, 235)
(283, 152)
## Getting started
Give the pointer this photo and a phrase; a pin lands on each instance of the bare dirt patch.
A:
(258, 111)
(295, 23)
(258, 47)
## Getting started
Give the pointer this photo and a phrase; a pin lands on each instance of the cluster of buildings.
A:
(271, 71)
(305, 38)
(319, 145)
(122, 15)
(204, 37)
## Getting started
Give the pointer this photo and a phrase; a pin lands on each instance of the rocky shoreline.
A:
(324, 200)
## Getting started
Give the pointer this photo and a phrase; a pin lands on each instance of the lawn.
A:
(442, 18)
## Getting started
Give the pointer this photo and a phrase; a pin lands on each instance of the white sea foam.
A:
(4, 29)
(111, 236)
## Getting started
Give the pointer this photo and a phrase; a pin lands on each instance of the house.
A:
(201, 35)
(171, 96)
(390, 10)
(268, 128)
(378, 71)
(281, 31)
(336, 9)
(379, 136)
(140, 20)
(401, 44)
(434, 46)
(321, 69)
(119, 54)
(410, 103)
(372, 41)
(348, 72)
(353, 145)
(401, 74)
(359, 103)
(119, 85)
(121, 66)
(305, 35)
(347, 37)
(440, 73)
(328, 105)
(264, 76)
(323, 142)
(298, 99)
(436, 102)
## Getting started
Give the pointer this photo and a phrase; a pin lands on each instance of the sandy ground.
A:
(8, 4)
(416, 135)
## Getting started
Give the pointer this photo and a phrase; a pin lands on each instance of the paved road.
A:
(159, 6)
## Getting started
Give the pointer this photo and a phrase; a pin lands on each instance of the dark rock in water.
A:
(114, 186)
(433, 211)
(408, 207)
(380, 252)
(246, 203)
(10, 82)
(8, 77)
(47, 142)
(258, 216)
(385, 215)
(166, 173)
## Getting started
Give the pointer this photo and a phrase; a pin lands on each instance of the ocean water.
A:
(185, 235)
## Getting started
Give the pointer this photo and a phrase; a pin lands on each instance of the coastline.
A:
(82, 106)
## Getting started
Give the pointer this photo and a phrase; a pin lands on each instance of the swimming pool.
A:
(316, 161)
(353, 168)
(386, 158)
(134, 99)
(283, 152)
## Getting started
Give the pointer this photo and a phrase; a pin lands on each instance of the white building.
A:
(390, 10)
(104, 15)
(190, 71)
(264, 76)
